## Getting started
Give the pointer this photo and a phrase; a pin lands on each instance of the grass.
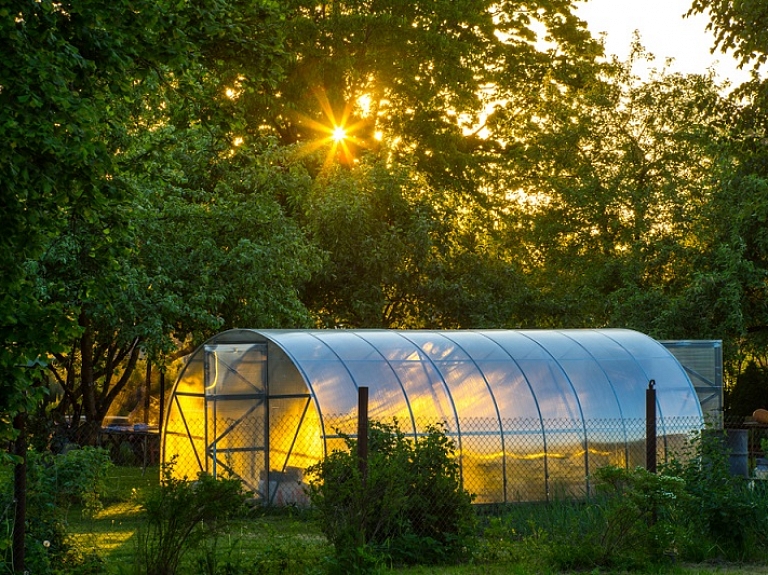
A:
(277, 540)
(505, 569)
(109, 533)
(280, 542)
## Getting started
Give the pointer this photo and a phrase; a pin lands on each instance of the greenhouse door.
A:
(236, 411)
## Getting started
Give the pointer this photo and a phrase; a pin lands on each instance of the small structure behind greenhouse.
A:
(532, 412)
(702, 360)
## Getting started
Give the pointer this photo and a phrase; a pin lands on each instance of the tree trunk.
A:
(147, 391)
(86, 368)
(87, 431)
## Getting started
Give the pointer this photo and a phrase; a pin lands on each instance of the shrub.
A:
(693, 510)
(644, 516)
(54, 483)
(722, 509)
(181, 514)
(410, 508)
(633, 520)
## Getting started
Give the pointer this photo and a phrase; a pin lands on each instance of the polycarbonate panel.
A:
(702, 361)
(672, 386)
(628, 382)
(468, 389)
(332, 384)
(510, 389)
(554, 394)
(191, 377)
(482, 461)
(636, 343)
(422, 384)
(367, 368)
(348, 346)
(235, 369)
(283, 376)
(428, 398)
(525, 460)
(184, 434)
(597, 398)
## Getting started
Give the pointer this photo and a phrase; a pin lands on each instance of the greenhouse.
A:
(531, 412)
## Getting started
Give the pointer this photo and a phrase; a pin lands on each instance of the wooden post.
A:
(362, 431)
(20, 493)
(650, 427)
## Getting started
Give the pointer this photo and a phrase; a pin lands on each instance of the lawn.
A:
(277, 542)
(284, 541)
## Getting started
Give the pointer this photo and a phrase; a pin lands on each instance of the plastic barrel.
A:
(737, 444)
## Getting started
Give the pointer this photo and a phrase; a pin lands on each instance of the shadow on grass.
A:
(270, 540)
(109, 533)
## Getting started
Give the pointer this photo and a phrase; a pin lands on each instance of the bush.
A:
(54, 483)
(693, 510)
(726, 513)
(633, 520)
(409, 509)
(181, 514)
(644, 516)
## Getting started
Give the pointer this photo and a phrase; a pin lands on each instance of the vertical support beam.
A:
(362, 431)
(650, 427)
(161, 421)
(267, 462)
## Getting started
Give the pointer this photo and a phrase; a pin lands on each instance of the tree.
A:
(376, 229)
(741, 27)
(82, 88)
(406, 79)
(434, 100)
(748, 393)
(612, 184)
(738, 241)
(60, 66)
(198, 257)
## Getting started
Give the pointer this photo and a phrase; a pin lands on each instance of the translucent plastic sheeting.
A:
(531, 412)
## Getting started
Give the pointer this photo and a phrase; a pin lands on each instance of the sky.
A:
(663, 31)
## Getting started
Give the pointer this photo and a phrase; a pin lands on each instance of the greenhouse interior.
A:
(531, 413)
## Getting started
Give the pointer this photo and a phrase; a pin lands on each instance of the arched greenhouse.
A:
(531, 412)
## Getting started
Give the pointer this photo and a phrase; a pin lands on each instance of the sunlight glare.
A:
(364, 105)
(339, 134)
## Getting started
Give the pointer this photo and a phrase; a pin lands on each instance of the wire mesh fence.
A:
(501, 461)
(131, 447)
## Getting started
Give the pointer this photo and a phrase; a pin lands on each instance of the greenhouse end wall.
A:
(532, 412)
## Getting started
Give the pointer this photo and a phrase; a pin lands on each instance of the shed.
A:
(531, 412)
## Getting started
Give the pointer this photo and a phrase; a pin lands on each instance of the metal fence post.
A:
(362, 431)
(650, 427)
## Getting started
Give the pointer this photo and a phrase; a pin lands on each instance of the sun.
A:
(339, 134)
(335, 131)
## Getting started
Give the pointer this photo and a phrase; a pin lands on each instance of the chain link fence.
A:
(501, 461)
(529, 460)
